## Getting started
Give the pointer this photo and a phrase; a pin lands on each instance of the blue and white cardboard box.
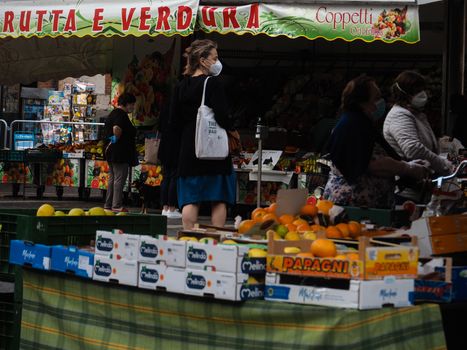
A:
(359, 295)
(117, 244)
(223, 258)
(26, 253)
(161, 277)
(220, 285)
(71, 259)
(459, 282)
(153, 250)
(121, 271)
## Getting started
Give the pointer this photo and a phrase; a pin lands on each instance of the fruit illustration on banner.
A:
(15, 173)
(97, 174)
(63, 173)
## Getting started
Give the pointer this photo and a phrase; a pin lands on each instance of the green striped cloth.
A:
(62, 312)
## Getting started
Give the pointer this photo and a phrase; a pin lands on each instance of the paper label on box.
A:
(83, 262)
(46, 263)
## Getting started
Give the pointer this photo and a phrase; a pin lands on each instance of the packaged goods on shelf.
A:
(432, 284)
(25, 253)
(72, 260)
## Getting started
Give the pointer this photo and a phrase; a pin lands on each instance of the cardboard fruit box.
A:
(375, 261)
(434, 286)
(356, 294)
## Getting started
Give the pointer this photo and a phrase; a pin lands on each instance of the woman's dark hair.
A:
(125, 99)
(406, 85)
(356, 92)
(193, 54)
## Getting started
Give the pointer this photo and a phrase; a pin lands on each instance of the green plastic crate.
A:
(10, 316)
(68, 230)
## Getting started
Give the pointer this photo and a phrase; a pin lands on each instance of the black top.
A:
(187, 99)
(169, 146)
(351, 145)
(124, 150)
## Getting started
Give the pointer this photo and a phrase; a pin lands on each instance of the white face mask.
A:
(216, 68)
(419, 100)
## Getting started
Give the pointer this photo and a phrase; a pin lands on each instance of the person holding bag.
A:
(201, 180)
(121, 150)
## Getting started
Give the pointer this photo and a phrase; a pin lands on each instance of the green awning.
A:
(41, 18)
(368, 22)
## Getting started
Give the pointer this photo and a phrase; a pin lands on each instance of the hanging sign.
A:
(388, 23)
(95, 18)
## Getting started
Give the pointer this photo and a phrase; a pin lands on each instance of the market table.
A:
(65, 312)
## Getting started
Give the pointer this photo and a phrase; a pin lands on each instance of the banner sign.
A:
(95, 18)
(388, 23)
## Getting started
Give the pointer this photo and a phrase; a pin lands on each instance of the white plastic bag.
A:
(211, 141)
(151, 149)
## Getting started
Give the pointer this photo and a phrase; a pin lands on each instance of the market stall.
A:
(67, 312)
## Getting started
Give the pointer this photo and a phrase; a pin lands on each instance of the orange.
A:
(344, 228)
(303, 228)
(324, 206)
(354, 229)
(286, 219)
(272, 208)
(245, 226)
(258, 216)
(333, 232)
(256, 211)
(309, 209)
(323, 248)
(291, 227)
(270, 216)
(299, 222)
(317, 228)
(353, 256)
(305, 255)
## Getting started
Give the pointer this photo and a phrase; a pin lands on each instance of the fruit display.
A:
(48, 210)
(65, 172)
(147, 174)
(247, 190)
(15, 173)
(97, 174)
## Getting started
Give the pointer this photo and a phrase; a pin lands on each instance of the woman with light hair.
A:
(201, 181)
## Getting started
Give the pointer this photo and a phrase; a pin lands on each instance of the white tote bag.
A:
(211, 141)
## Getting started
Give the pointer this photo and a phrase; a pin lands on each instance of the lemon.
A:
(309, 235)
(292, 250)
(45, 210)
(282, 230)
(97, 211)
(292, 236)
(59, 213)
(109, 212)
(76, 212)
(187, 238)
(252, 280)
(207, 240)
(257, 253)
(229, 241)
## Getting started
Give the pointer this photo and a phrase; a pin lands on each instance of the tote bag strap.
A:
(204, 91)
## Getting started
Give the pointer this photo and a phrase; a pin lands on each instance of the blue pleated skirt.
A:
(207, 188)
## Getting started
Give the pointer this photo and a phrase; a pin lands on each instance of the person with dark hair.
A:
(121, 150)
(199, 181)
(363, 165)
(407, 130)
(168, 155)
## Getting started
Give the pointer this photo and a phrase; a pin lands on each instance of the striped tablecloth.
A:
(62, 312)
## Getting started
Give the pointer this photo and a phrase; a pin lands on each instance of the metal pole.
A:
(260, 166)
(5, 132)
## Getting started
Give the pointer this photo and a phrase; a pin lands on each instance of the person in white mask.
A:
(201, 181)
(407, 130)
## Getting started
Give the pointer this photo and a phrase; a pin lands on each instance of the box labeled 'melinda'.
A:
(161, 277)
(162, 249)
(25, 253)
(117, 244)
(224, 258)
(220, 285)
(72, 260)
(121, 271)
